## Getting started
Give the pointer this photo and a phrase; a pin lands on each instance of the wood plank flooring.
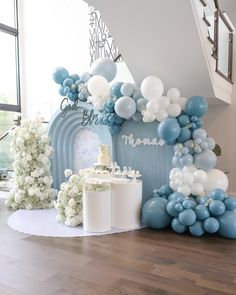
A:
(137, 262)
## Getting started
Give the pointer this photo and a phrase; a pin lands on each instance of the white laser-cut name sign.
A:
(130, 140)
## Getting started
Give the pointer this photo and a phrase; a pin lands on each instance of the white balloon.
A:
(173, 172)
(197, 189)
(153, 106)
(178, 182)
(97, 86)
(164, 102)
(173, 185)
(174, 109)
(98, 105)
(173, 94)
(182, 101)
(152, 88)
(179, 174)
(148, 116)
(190, 168)
(188, 178)
(185, 190)
(216, 179)
(200, 176)
(161, 115)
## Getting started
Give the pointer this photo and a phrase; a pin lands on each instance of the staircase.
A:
(174, 40)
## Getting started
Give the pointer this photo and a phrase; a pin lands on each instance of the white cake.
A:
(104, 156)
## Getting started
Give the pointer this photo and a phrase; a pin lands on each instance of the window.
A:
(9, 57)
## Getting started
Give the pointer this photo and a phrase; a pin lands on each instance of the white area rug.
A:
(43, 223)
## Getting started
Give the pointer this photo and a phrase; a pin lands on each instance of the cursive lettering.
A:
(131, 141)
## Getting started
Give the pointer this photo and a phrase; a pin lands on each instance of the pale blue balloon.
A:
(211, 225)
(85, 77)
(218, 194)
(187, 217)
(127, 89)
(104, 67)
(196, 106)
(137, 94)
(200, 133)
(227, 223)
(60, 74)
(177, 226)
(141, 104)
(125, 107)
(206, 160)
(197, 229)
(186, 160)
(211, 143)
(171, 208)
(190, 145)
(201, 212)
(154, 213)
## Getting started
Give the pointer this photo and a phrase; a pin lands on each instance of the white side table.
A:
(126, 203)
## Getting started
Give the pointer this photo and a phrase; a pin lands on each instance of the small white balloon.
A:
(188, 178)
(173, 94)
(97, 86)
(173, 185)
(197, 189)
(148, 116)
(153, 106)
(164, 102)
(182, 101)
(98, 105)
(178, 182)
(152, 88)
(179, 174)
(174, 109)
(185, 190)
(161, 115)
(200, 176)
(190, 168)
(173, 172)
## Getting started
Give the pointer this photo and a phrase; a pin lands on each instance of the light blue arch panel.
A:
(154, 162)
(63, 131)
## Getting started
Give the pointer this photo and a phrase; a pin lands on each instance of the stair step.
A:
(210, 40)
(206, 21)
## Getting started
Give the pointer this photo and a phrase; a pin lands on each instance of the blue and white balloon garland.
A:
(195, 197)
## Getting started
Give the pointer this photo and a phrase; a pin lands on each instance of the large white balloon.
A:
(98, 86)
(216, 179)
(200, 176)
(173, 94)
(152, 88)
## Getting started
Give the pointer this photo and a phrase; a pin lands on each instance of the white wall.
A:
(52, 33)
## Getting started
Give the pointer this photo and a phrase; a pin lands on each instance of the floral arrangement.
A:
(96, 186)
(32, 180)
(69, 202)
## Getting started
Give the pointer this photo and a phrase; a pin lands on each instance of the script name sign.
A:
(88, 116)
(130, 140)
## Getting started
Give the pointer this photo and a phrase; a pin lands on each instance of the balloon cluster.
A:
(72, 86)
(213, 213)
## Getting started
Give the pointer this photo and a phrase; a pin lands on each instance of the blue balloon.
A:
(196, 106)
(175, 196)
(137, 117)
(227, 224)
(119, 120)
(218, 194)
(115, 89)
(186, 160)
(197, 229)
(114, 129)
(127, 89)
(200, 133)
(104, 67)
(205, 160)
(141, 104)
(189, 204)
(211, 225)
(137, 94)
(202, 212)
(190, 145)
(185, 134)
(177, 226)
(85, 77)
(154, 213)
(183, 120)
(61, 91)
(74, 77)
(66, 89)
(175, 162)
(125, 107)
(60, 74)
(168, 130)
(211, 143)
(68, 82)
(171, 208)
(187, 217)
(165, 190)
(230, 203)
(217, 208)
(179, 207)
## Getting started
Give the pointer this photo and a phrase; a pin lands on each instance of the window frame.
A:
(13, 32)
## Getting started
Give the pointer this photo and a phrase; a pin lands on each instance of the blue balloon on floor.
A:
(187, 217)
(197, 229)
(171, 208)
(60, 74)
(196, 106)
(227, 223)
(202, 212)
(218, 194)
(104, 67)
(177, 226)
(165, 190)
(217, 208)
(168, 130)
(154, 213)
(211, 225)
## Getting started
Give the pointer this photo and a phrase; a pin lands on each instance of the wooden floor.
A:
(138, 262)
